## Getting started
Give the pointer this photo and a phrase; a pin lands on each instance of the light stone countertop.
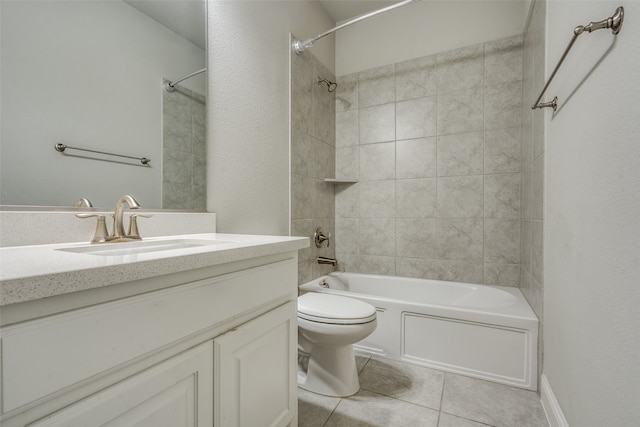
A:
(33, 272)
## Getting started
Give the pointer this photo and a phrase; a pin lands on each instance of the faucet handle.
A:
(319, 238)
(101, 234)
(133, 226)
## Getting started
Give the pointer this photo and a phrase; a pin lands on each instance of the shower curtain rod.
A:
(171, 86)
(301, 46)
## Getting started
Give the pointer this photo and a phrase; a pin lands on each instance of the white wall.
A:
(248, 160)
(592, 218)
(87, 74)
(425, 28)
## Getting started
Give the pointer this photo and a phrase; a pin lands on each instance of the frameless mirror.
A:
(90, 74)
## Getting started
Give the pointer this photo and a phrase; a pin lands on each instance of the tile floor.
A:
(400, 394)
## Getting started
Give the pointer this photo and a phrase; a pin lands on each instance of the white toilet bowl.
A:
(328, 326)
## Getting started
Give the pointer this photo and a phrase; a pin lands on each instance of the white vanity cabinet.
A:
(176, 392)
(254, 382)
(217, 350)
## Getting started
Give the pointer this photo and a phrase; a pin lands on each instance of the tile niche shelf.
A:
(341, 180)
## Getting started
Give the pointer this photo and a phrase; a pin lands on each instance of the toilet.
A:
(328, 326)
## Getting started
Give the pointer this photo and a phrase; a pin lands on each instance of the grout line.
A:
(444, 380)
(332, 412)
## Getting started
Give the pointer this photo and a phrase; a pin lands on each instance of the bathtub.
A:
(482, 331)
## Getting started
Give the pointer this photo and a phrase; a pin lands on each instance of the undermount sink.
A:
(131, 248)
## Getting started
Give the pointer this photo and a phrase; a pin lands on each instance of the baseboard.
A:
(550, 404)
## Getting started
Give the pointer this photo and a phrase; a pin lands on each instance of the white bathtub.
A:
(481, 331)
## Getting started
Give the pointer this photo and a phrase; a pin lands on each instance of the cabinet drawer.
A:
(176, 392)
(49, 355)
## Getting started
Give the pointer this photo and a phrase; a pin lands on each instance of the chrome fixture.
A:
(62, 147)
(133, 226)
(171, 86)
(118, 235)
(319, 238)
(614, 22)
(324, 284)
(325, 260)
(83, 202)
(118, 228)
(101, 235)
(300, 46)
(331, 86)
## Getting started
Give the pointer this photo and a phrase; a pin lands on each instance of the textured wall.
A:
(435, 144)
(592, 218)
(532, 157)
(312, 160)
(248, 153)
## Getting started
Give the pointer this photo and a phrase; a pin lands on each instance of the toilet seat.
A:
(334, 309)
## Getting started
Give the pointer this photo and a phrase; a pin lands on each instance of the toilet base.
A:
(332, 372)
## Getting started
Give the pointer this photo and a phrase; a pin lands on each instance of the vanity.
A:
(190, 330)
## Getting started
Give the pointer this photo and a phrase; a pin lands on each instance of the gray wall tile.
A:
(416, 158)
(461, 154)
(502, 274)
(537, 188)
(502, 241)
(376, 86)
(460, 239)
(502, 196)
(347, 200)
(416, 78)
(526, 238)
(313, 158)
(460, 111)
(346, 239)
(376, 199)
(378, 161)
(460, 197)
(416, 198)
(347, 128)
(347, 93)
(503, 60)
(444, 148)
(416, 238)
(502, 150)
(377, 124)
(377, 236)
(347, 162)
(416, 118)
(303, 227)
(184, 177)
(460, 69)
(503, 105)
(537, 251)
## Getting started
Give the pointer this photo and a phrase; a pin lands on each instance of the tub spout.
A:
(325, 260)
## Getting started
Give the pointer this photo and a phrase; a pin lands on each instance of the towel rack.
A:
(61, 147)
(614, 22)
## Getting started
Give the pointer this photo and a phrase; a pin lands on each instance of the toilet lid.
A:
(327, 308)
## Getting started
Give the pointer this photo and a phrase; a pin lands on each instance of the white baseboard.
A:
(550, 404)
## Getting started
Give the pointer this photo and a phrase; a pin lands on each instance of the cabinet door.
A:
(175, 393)
(255, 370)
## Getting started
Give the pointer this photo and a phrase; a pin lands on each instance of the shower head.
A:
(331, 86)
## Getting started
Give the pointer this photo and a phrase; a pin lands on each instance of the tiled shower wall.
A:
(531, 241)
(435, 144)
(184, 169)
(312, 160)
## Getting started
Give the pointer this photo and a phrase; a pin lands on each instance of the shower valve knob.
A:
(319, 237)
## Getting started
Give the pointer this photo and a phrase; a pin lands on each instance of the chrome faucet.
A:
(325, 260)
(118, 228)
(118, 235)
